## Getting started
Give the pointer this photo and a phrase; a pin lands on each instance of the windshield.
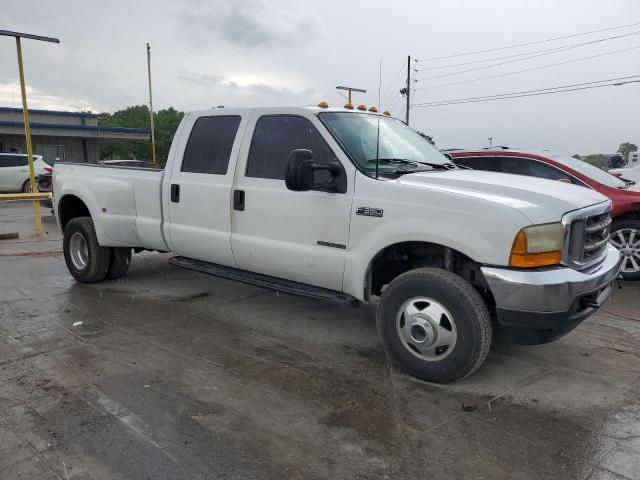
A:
(400, 146)
(590, 171)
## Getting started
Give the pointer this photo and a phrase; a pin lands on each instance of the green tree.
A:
(597, 160)
(165, 121)
(626, 148)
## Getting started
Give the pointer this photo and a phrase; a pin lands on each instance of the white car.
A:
(631, 171)
(343, 205)
(14, 171)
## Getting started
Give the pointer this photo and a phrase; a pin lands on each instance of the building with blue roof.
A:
(60, 135)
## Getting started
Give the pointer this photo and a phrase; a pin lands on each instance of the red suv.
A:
(625, 195)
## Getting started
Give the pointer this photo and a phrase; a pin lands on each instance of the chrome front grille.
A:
(587, 235)
(596, 236)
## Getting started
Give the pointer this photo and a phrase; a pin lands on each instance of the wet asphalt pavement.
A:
(171, 374)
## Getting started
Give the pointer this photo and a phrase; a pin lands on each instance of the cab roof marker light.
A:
(373, 109)
(348, 106)
(323, 104)
(362, 108)
(387, 113)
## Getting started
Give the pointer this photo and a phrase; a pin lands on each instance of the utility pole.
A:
(408, 89)
(351, 89)
(153, 133)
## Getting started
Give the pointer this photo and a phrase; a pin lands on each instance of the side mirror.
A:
(300, 171)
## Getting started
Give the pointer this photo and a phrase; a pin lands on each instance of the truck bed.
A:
(128, 200)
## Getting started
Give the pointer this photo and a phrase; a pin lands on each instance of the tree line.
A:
(165, 122)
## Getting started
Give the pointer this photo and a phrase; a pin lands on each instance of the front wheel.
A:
(434, 324)
(86, 260)
(625, 236)
(26, 186)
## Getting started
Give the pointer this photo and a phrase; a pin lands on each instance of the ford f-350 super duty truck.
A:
(347, 205)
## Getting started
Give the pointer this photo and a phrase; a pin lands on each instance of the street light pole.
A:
(25, 111)
(153, 133)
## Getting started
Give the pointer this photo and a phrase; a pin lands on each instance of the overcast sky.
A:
(257, 53)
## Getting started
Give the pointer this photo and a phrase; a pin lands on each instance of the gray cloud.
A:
(247, 24)
(216, 89)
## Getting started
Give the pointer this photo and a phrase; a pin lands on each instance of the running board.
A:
(264, 281)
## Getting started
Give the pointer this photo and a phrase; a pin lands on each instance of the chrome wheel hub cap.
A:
(78, 251)
(426, 328)
(627, 240)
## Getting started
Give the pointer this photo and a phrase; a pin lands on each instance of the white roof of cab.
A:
(292, 109)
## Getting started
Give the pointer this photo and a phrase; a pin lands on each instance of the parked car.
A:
(631, 171)
(625, 195)
(299, 200)
(14, 171)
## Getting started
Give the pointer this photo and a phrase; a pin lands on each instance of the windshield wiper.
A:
(443, 166)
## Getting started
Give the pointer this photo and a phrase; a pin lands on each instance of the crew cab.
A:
(347, 205)
(625, 194)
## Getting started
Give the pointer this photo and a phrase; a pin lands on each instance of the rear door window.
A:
(210, 143)
(478, 163)
(514, 165)
(533, 168)
(14, 160)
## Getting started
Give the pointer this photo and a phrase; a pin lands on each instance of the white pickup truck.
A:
(346, 205)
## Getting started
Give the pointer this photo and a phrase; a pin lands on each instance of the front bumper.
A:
(540, 306)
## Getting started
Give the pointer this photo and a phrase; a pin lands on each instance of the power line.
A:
(394, 83)
(532, 94)
(549, 50)
(530, 69)
(535, 90)
(529, 43)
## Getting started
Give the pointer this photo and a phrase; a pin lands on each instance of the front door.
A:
(198, 192)
(299, 236)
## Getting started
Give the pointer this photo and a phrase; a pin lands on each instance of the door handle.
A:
(175, 193)
(238, 200)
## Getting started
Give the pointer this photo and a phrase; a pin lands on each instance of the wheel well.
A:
(71, 207)
(632, 215)
(396, 259)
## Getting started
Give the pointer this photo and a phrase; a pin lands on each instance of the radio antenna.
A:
(378, 115)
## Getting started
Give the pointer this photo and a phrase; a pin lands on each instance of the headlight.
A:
(538, 246)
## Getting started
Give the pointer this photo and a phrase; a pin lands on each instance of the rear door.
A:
(299, 236)
(198, 190)
(5, 173)
(15, 171)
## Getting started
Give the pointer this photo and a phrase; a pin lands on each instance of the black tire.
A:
(468, 312)
(26, 186)
(119, 264)
(628, 224)
(97, 258)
